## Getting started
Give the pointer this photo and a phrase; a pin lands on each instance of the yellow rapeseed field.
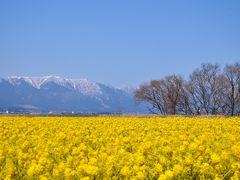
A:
(119, 147)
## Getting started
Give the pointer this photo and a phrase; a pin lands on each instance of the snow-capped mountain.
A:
(57, 94)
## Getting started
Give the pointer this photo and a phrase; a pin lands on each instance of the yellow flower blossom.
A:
(125, 171)
(177, 169)
(158, 168)
(169, 174)
(215, 158)
(113, 147)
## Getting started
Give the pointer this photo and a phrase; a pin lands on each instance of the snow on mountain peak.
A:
(57, 80)
(83, 86)
(126, 88)
(34, 81)
(14, 80)
(61, 95)
(86, 87)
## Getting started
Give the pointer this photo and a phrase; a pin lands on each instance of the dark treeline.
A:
(209, 90)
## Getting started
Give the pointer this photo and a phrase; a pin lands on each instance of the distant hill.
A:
(60, 95)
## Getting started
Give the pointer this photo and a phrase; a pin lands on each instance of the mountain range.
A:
(60, 95)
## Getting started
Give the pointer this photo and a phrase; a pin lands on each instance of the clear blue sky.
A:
(116, 42)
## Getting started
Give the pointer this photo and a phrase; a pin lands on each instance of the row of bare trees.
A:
(208, 90)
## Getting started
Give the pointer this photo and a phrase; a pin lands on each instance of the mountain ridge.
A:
(57, 94)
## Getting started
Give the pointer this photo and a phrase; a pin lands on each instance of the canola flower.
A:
(119, 147)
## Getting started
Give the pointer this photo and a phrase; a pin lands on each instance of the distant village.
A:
(20, 111)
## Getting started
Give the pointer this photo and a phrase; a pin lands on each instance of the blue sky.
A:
(116, 42)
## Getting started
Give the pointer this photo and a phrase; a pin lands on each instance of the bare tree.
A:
(204, 88)
(163, 95)
(219, 96)
(188, 102)
(173, 93)
(232, 73)
(153, 94)
(208, 91)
